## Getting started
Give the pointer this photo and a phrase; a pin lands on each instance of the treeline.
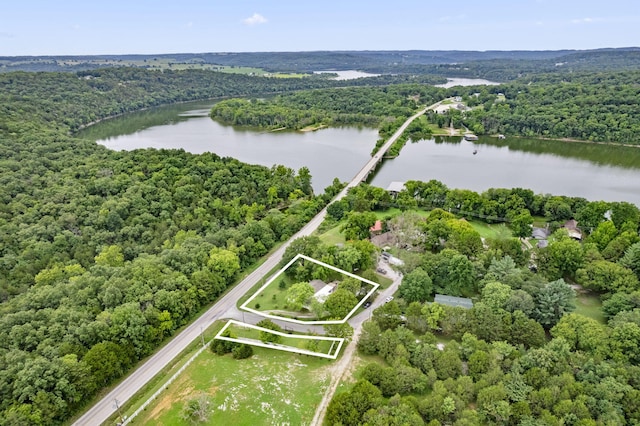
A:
(520, 355)
(594, 107)
(368, 106)
(68, 101)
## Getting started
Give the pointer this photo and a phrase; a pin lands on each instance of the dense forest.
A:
(105, 254)
(598, 107)
(524, 354)
(368, 106)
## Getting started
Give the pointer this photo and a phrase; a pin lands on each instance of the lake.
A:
(596, 172)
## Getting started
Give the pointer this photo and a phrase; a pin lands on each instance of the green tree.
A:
(358, 224)
(553, 302)
(340, 303)
(495, 295)
(416, 286)
(561, 258)
(266, 336)
(605, 276)
(631, 259)
(348, 408)
(298, 295)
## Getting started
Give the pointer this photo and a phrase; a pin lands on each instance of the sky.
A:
(72, 27)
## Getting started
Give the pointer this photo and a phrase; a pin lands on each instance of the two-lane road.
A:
(101, 411)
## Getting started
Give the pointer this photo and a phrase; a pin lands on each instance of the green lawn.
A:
(272, 387)
(250, 333)
(497, 231)
(589, 305)
(333, 236)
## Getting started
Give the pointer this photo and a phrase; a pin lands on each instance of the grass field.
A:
(333, 236)
(324, 346)
(497, 231)
(269, 388)
(589, 305)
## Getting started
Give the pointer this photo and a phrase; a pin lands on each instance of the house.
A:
(322, 290)
(461, 302)
(540, 233)
(395, 188)
(572, 229)
(376, 229)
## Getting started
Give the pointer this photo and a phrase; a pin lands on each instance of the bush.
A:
(242, 351)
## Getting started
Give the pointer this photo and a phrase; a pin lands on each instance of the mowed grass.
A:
(498, 231)
(333, 236)
(272, 387)
(324, 346)
(589, 305)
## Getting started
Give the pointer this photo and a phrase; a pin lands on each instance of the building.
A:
(376, 229)
(395, 188)
(461, 302)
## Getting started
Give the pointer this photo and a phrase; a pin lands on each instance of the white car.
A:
(388, 299)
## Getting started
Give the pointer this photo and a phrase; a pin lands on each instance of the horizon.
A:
(74, 28)
(630, 48)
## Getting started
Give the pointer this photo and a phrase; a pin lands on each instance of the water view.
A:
(592, 171)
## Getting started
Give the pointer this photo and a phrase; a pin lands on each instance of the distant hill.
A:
(493, 64)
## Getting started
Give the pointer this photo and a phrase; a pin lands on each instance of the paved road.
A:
(100, 412)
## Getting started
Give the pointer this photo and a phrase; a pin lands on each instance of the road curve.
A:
(106, 407)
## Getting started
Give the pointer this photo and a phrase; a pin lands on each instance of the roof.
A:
(395, 187)
(377, 227)
(317, 284)
(539, 233)
(461, 302)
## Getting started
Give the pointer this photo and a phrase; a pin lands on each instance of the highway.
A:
(106, 407)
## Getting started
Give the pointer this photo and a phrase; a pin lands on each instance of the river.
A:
(595, 172)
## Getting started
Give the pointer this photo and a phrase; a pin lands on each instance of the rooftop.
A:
(462, 302)
(395, 187)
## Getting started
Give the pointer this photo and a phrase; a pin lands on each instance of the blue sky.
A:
(71, 27)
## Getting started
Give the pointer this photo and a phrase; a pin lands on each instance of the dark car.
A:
(366, 305)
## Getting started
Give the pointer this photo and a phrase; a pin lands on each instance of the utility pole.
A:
(118, 408)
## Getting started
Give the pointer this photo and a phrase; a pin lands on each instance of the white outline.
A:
(296, 321)
(278, 346)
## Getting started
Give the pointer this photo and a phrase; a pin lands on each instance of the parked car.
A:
(388, 299)
(381, 271)
(366, 305)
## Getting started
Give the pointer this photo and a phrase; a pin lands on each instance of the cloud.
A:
(583, 21)
(255, 19)
(189, 24)
(6, 35)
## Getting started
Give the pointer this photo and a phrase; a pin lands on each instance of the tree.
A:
(582, 333)
(242, 351)
(387, 316)
(340, 303)
(343, 330)
(605, 276)
(520, 223)
(631, 259)
(299, 295)
(603, 234)
(495, 295)
(110, 256)
(266, 336)
(553, 301)
(369, 337)
(348, 408)
(561, 258)
(197, 409)
(416, 286)
(358, 224)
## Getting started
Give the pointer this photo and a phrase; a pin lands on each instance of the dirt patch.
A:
(169, 399)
